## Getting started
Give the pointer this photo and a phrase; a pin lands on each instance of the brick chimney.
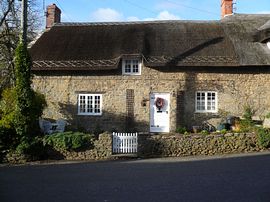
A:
(226, 8)
(53, 15)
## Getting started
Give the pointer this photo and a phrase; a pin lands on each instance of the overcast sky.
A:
(134, 10)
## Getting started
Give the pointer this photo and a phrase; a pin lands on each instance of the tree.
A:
(18, 126)
(10, 14)
(24, 93)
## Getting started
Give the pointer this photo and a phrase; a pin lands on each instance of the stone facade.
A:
(235, 87)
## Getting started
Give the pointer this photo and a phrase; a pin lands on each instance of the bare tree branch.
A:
(5, 14)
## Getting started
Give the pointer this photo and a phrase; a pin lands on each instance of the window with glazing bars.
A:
(131, 66)
(206, 101)
(89, 104)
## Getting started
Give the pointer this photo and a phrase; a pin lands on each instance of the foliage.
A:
(7, 139)
(33, 148)
(267, 115)
(20, 107)
(7, 108)
(181, 130)
(246, 126)
(223, 131)
(205, 132)
(10, 13)
(24, 95)
(186, 133)
(69, 141)
(263, 136)
(248, 113)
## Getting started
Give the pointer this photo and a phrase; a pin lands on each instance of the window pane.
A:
(82, 104)
(135, 65)
(97, 104)
(128, 66)
(90, 104)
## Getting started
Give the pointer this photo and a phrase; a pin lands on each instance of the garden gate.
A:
(125, 143)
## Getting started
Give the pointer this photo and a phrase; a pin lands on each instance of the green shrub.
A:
(246, 125)
(263, 136)
(205, 132)
(181, 130)
(8, 138)
(248, 113)
(223, 131)
(70, 141)
(267, 115)
(7, 108)
(186, 133)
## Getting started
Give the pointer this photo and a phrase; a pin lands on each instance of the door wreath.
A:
(159, 103)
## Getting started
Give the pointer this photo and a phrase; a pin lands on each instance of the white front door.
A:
(160, 112)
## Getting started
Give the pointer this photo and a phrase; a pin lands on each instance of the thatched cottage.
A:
(153, 76)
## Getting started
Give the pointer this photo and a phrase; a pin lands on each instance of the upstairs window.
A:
(89, 104)
(206, 101)
(131, 67)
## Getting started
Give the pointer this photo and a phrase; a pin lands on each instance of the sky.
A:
(137, 10)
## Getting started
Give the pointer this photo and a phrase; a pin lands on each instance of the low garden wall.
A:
(185, 145)
(159, 145)
(102, 149)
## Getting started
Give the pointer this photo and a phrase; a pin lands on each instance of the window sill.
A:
(85, 114)
(206, 112)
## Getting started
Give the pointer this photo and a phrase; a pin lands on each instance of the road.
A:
(226, 179)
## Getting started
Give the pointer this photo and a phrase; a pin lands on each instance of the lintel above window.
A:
(131, 66)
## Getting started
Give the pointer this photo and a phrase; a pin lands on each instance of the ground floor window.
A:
(90, 104)
(206, 101)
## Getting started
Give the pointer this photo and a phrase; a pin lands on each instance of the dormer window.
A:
(131, 66)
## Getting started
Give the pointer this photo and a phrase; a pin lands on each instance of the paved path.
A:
(238, 178)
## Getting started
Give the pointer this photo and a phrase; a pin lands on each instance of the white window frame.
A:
(93, 104)
(132, 66)
(206, 102)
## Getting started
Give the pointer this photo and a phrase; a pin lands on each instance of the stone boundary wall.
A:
(162, 145)
(102, 150)
(177, 145)
(173, 145)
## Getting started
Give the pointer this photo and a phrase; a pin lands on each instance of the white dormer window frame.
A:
(131, 66)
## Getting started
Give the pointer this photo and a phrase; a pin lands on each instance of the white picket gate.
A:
(125, 143)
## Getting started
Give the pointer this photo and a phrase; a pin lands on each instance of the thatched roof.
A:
(233, 41)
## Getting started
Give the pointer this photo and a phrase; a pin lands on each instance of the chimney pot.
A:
(53, 15)
(226, 8)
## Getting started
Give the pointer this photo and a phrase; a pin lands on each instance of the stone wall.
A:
(162, 145)
(177, 145)
(235, 87)
(102, 150)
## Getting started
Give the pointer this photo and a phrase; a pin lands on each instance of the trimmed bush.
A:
(264, 137)
(181, 130)
(70, 141)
